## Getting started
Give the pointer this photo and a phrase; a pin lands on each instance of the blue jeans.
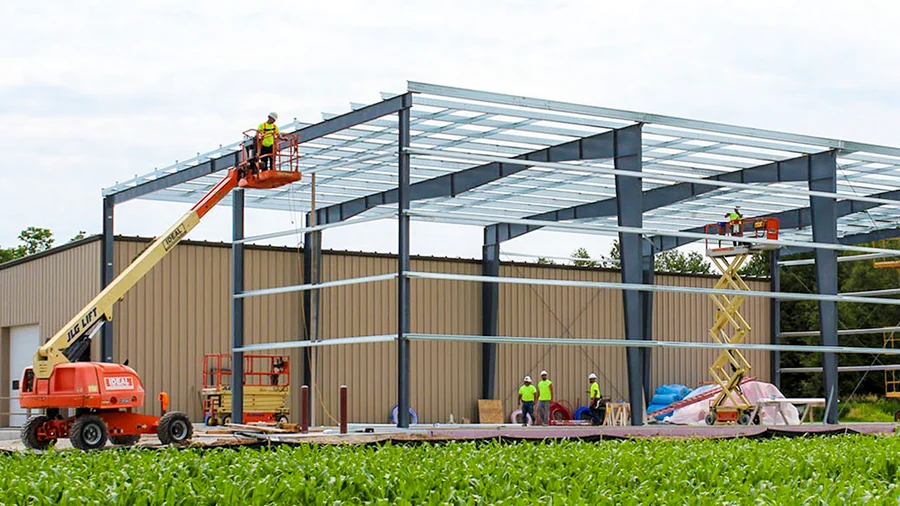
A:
(527, 409)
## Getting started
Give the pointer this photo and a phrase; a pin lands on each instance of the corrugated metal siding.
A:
(182, 310)
(49, 290)
(445, 377)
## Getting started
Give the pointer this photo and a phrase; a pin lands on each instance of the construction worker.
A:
(594, 402)
(266, 135)
(734, 223)
(545, 397)
(526, 397)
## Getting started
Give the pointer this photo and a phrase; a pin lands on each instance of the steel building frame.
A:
(515, 164)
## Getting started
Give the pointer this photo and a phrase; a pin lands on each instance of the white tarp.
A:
(695, 414)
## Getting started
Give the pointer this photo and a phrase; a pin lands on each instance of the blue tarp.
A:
(666, 395)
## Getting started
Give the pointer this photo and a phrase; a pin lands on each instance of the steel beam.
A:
(403, 302)
(793, 218)
(306, 134)
(490, 302)
(594, 147)
(823, 177)
(237, 307)
(107, 273)
(794, 169)
(629, 210)
(861, 238)
(775, 317)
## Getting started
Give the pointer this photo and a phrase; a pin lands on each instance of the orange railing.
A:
(760, 228)
(259, 370)
(284, 157)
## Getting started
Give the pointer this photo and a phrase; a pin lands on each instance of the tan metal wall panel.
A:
(555, 311)
(181, 310)
(445, 377)
(50, 289)
(47, 290)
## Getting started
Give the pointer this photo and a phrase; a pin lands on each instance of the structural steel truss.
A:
(515, 164)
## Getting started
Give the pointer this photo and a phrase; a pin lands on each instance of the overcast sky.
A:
(92, 93)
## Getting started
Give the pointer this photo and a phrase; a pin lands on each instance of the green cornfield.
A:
(784, 471)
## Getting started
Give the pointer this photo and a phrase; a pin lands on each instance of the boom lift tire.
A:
(174, 428)
(282, 419)
(88, 432)
(30, 435)
(226, 420)
(129, 440)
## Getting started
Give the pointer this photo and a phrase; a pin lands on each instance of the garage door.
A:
(23, 342)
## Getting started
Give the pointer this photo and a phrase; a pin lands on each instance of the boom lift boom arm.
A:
(71, 341)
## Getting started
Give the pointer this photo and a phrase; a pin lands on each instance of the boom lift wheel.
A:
(174, 428)
(128, 440)
(281, 419)
(30, 433)
(88, 432)
(226, 419)
(711, 418)
(744, 419)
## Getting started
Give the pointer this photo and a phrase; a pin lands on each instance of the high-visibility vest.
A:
(265, 129)
(595, 390)
(544, 390)
(734, 217)
(527, 392)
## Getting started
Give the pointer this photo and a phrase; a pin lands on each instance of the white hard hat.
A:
(592, 376)
(527, 379)
(273, 115)
(543, 373)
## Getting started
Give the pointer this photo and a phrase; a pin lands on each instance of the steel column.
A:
(647, 308)
(237, 307)
(107, 273)
(312, 251)
(823, 213)
(775, 316)
(629, 210)
(403, 302)
(490, 300)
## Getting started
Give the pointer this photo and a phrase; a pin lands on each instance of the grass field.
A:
(825, 470)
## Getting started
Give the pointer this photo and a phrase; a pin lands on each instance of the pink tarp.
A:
(695, 414)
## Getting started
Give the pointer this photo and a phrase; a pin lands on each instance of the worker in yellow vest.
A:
(545, 397)
(526, 397)
(594, 402)
(734, 223)
(266, 135)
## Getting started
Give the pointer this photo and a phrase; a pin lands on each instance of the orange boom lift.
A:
(104, 395)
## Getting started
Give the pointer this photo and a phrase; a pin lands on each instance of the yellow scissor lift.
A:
(730, 327)
(891, 379)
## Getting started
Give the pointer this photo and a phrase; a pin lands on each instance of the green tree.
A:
(79, 236)
(676, 262)
(36, 239)
(757, 267)
(582, 253)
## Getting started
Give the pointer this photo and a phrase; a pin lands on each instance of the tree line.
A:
(33, 240)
